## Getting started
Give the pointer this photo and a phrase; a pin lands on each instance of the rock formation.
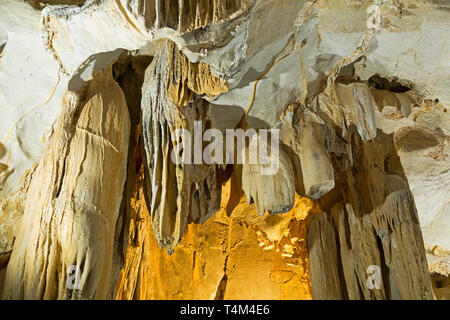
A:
(96, 98)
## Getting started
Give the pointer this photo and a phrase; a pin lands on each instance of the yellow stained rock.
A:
(236, 257)
(188, 79)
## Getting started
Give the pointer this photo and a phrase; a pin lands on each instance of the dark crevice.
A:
(221, 288)
(391, 85)
(41, 4)
(4, 258)
(384, 269)
(2, 47)
(129, 74)
(340, 267)
(360, 290)
(441, 286)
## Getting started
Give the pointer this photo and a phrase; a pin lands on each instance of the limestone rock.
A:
(68, 219)
(323, 256)
(270, 192)
(93, 95)
(378, 235)
(212, 259)
(177, 193)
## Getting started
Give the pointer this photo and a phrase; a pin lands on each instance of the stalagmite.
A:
(69, 221)
(323, 256)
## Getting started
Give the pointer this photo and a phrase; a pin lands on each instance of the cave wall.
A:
(91, 93)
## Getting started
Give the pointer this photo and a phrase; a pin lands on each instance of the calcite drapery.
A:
(184, 192)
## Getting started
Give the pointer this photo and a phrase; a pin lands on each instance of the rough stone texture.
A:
(358, 89)
(69, 217)
(323, 256)
(424, 148)
(377, 225)
(176, 193)
(212, 259)
(273, 193)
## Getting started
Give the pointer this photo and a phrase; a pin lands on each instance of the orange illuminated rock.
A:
(244, 256)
